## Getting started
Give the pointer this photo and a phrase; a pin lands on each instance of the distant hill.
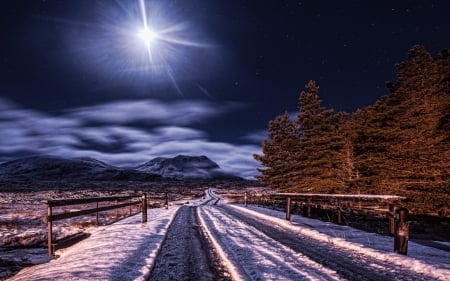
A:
(44, 167)
(56, 168)
(185, 167)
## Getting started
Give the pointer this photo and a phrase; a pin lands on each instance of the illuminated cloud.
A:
(80, 134)
(151, 112)
(256, 136)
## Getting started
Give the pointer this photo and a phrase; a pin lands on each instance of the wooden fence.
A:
(116, 203)
(367, 202)
(384, 205)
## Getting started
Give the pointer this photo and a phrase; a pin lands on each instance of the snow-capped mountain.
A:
(184, 167)
(44, 167)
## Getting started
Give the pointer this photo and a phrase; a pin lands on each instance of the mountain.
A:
(52, 168)
(185, 167)
(55, 168)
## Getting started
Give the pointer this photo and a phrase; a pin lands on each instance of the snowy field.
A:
(122, 251)
(303, 249)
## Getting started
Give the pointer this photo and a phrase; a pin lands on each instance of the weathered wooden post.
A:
(97, 214)
(144, 207)
(131, 207)
(401, 231)
(117, 210)
(49, 228)
(391, 216)
(309, 207)
(288, 208)
(245, 199)
(166, 201)
(339, 211)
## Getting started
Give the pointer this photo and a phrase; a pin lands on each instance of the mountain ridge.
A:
(185, 167)
(47, 167)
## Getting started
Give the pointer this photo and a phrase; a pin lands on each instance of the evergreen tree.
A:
(402, 143)
(372, 133)
(399, 145)
(422, 152)
(307, 155)
(320, 153)
(278, 153)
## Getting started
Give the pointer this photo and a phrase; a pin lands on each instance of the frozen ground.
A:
(122, 251)
(352, 254)
(250, 244)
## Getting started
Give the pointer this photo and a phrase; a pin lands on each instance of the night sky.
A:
(77, 80)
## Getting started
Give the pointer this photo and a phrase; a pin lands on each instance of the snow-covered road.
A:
(256, 256)
(259, 244)
(186, 253)
(211, 240)
(262, 248)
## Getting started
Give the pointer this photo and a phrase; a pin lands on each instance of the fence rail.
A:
(50, 218)
(366, 203)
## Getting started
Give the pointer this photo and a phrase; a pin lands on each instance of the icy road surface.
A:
(262, 247)
(211, 240)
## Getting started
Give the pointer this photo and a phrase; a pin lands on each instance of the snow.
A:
(421, 259)
(121, 251)
(343, 196)
(181, 166)
(253, 254)
(126, 250)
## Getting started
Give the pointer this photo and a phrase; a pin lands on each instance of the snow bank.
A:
(428, 261)
(122, 251)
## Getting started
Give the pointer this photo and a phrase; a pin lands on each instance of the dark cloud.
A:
(116, 141)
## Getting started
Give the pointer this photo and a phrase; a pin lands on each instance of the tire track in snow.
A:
(349, 264)
(255, 255)
(185, 253)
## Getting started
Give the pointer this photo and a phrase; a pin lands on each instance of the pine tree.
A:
(399, 145)
(402, 143)
(422, 152)
(372, 133)
(310, 154)
(278, 153)
(320, 153)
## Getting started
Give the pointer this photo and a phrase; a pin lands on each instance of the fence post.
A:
(288, 208)
(166, 201)
(131, 207)
(391, 216)
(144, 207)
(49, 229)
(401, 231)
(245, 199)
(309, 207)
(339, 212)
(117, 210)
(96, 218)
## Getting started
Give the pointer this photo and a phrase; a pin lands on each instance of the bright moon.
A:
(147, 35)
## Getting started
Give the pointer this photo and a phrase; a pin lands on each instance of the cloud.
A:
(256, 136)
(236, 159)
(114, 140)
(152, 112)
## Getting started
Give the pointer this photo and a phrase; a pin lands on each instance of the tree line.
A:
(398, 145)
